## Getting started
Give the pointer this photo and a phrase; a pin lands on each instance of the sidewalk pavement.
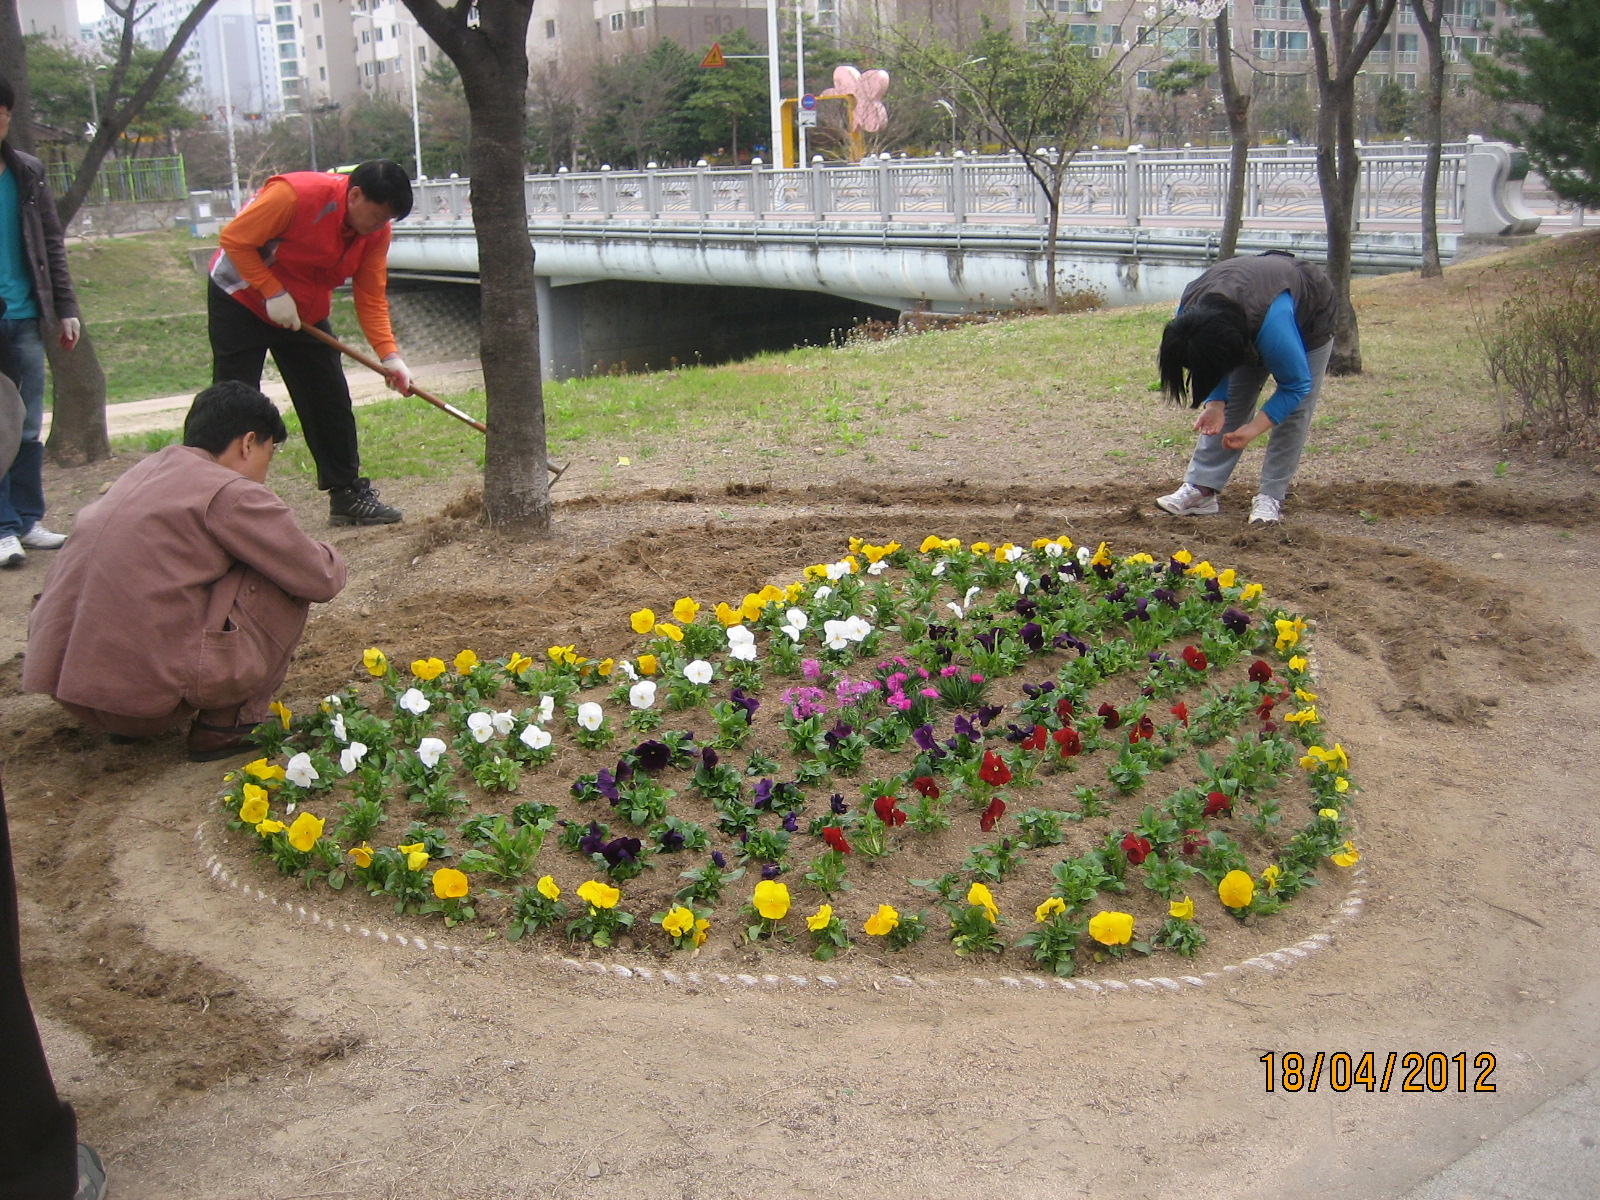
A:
(366, 387)
(1553, 1153)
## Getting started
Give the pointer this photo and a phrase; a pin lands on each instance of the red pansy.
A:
(1218, 804)
(1181, 711)
(1260, 671)
(996, 810)
(1112, 717)
(834, 836)
(888, 813)
(1136, 848)
(1195, 657)
(1035, 740)
(1069, 742)
(925, 786)
(994, 770)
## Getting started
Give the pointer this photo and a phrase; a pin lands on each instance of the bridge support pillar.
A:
(560, 330)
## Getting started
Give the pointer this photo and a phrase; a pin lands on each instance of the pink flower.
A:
(976, 678)
(946, 672)
(931, 693)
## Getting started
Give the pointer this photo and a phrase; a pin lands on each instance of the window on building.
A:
(323, 74)
(1142, 79)
(319, 41)
(616, 22)
(1171, 42)
(377, 34)
(382, 66)
(636, 18)
(549, 29)
(284, 12)
(316, 11)
(1408, 81)
(366, 36)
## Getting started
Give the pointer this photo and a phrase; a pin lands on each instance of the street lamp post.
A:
(774, 96)
(951, 109)
(416, 120)
(227, 112)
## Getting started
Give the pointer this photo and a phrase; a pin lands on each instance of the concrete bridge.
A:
(641, 267)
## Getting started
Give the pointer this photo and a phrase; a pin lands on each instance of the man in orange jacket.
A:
(301, 236)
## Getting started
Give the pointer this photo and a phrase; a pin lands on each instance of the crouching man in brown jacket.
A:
(185, 589)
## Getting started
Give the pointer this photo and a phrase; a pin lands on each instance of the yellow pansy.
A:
(604, 667)
(1182, 557)
(772, 594)
(883, 922)
(1270, 877)
(1181, 910)
(1289, 633)
(931, 543)
(678, 922)
(702, 929)
(793, 592)
(1299, 663)
(597, 894)
(1102, 556)
(305, 831)
(874, 554)
(416, 855)
(450, 884)
(728, 615)
(362, 855)
(564, 656)
(981, 547)
(548, 888)
(820, 919)
(669, 631)
(1252, 591)
(1040, 543)
(750, 607)
(465, 661)
(642, 621)
(1138, 560)
(253, 810)
(1328, 814)
(771, 899)
(1304, 696)
(1111, 928)
(268, 828)
(980, 895)
(647, 664)
(1052, 906)
(1348, 857)
(685, 610)
(280, 710)
(1341, 784)
(376, 663)
(428, 668)
(263, 770)
(1321, 756)
(1202, 570)
(816, 571)
(1304, 717)
(1227, 578)
(1236, 890)
(517, 664)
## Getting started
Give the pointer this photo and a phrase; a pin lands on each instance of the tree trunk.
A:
(1429, 23)
(1336, 167)
(14, 66)
(1236, 104)
(1052, 300)
(78, 405)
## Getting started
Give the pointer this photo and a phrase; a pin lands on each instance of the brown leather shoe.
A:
(211, 743)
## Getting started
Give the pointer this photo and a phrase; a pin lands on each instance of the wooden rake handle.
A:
(374, 364)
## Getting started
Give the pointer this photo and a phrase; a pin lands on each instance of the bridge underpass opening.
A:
(617, 326)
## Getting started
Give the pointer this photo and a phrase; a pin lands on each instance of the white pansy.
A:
(971, 593)
(481, 725)
(822, 593)
(350, 757)
(834, 636)
(840, 569)
(738, 635)
(1023, 583)
(504, 723)
(878, 568)
(642, 694)
(299, 770)
(1014, 553)
(591, 716)
(430, 751)
(534, 737)
(955, 608)
(745, 652)
(333, 701)
(856, 628)
(626, 668)
(547, 709)
(414, 702)
(792, 631)
(338, 728)
(699, 671)
(1054, 550)
(1085, 556)
(938, 567)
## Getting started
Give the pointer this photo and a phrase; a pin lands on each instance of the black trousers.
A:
(38, 1133)
(311, 371)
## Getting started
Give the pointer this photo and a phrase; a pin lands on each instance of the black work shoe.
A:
(358, 504)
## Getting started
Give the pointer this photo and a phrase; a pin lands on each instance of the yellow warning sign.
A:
(714, 57)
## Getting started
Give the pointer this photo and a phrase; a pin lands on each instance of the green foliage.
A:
(1550, 65)
(638, 107)
(729, 103)
(59, 82)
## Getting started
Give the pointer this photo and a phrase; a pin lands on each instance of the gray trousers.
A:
(1211, 465)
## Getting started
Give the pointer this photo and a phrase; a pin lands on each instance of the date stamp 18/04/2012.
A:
(1374, 1071)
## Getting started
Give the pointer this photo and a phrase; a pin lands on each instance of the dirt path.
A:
(220, 1047)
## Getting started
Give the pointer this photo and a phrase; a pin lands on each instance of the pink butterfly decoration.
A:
(868, 87)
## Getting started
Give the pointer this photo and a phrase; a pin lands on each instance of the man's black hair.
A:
(1206, 340)
(385, 183)
(8, 95)
(229, 410)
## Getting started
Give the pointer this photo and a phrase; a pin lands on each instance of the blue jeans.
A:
(22, 487)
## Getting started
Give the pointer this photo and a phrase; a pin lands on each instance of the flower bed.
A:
(861, 760)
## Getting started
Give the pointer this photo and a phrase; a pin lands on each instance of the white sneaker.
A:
(1266, 511)
(40, 538)
(11, 552)
(1189, 501)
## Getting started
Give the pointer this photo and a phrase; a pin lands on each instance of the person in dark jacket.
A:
(1241, 321)
(37, 298)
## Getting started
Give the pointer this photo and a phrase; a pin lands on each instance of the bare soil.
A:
(218, 1047)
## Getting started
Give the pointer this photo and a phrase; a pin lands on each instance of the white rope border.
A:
(1273, 961)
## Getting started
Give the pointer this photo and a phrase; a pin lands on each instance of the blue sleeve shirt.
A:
(1283, 353)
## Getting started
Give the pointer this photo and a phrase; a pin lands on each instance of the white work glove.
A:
(399, 374)
(281, 308)
(71, 330)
